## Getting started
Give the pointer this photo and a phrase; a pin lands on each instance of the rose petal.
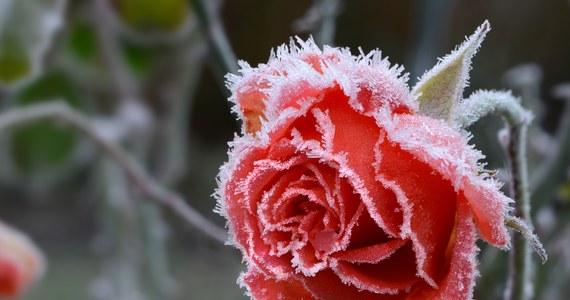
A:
(371, 254)
(366, 232)
(460, 279)
(327, 285)
(390, 276)
(446, 151)
(431, 203)
(354, 140)
(263, 287)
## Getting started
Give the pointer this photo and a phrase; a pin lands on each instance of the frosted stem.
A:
(520, 283)
(482, 103)
(61, 112)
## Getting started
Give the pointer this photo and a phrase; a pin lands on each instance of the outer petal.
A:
(327, 285)
(446, 151)
(282, 89)
(429, 203)
(460, 279)
(266, 288)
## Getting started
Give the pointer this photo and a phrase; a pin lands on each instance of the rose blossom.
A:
(21, 263)
(338, 188)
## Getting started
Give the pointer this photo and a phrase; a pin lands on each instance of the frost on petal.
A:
(459, 280)
(440, 88)
(265, 287)
(327, 285)
(354, 140)
(389, 276)
(446, 151)
(429, 203)
(269, 96)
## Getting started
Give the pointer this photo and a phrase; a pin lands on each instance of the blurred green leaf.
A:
(152, 15)
(44, 144)
(13, 63)
(139, 58)
(26, 28)
(83, 41)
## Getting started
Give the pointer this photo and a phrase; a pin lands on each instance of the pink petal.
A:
(266, 288)
(370, 254)
(355, 139)
(435, 143)
(390, 276)
(431, 203)
(460, 279)
(327, 285)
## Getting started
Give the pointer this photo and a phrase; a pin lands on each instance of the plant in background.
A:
(344, 184)
(21, 263)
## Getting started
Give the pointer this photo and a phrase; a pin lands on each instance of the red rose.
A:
(338, 189)
(21, 263)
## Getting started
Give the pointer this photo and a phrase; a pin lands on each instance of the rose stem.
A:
(63, 113)
(520, 281)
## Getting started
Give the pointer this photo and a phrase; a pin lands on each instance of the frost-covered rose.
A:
(339, 189)
(21, 263)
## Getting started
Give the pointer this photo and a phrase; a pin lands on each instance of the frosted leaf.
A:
(440, 88)
(26, 29)
(523, 228)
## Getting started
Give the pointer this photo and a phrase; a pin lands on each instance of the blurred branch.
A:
(61, 112)
(550, 173)
(213, 29)
(431, 22)
(112, 53)
(321, 20)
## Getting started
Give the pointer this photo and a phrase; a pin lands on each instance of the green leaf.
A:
(152, 15)
(44, 144)
(440, 88)
(82, 41)
(26, 29)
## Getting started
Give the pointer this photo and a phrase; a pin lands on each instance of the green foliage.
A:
(152, 15)
(13, 63)
(83, 41)
(26, 29)
(140, 59)
(44, 144)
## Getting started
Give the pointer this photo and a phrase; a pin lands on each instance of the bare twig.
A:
(61, 112)
(320, 19)
(124, 83)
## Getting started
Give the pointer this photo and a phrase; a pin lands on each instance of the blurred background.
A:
(148, 75)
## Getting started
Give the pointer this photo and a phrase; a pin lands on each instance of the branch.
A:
(550, 173)
(61, 112)
(213, 29)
